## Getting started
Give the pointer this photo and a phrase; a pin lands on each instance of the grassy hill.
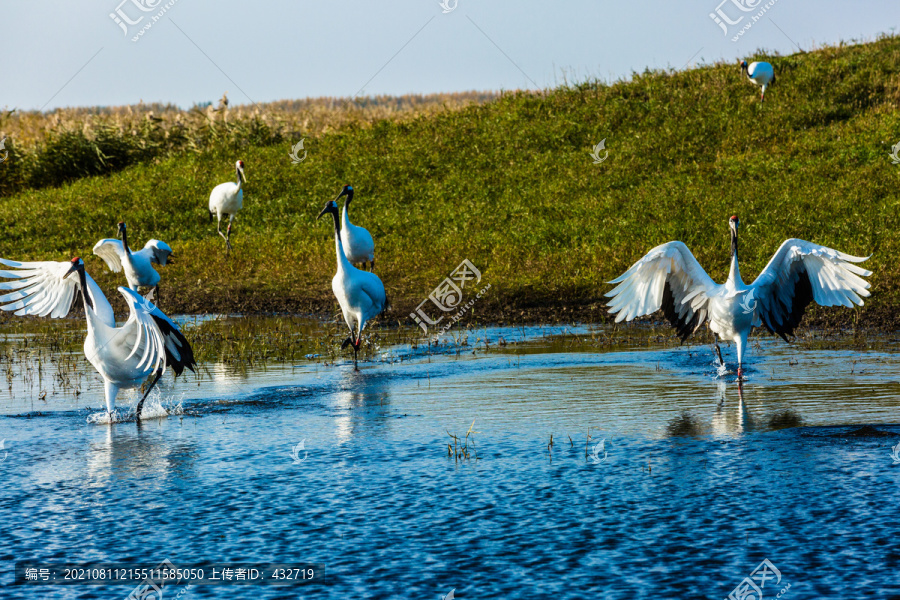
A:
(511, 185)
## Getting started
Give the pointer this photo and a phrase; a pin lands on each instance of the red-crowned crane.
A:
(671, 279)
(760, 73)
(227, 199)
(360, 293)
(359, 247)
(138, 266)
(124, 356)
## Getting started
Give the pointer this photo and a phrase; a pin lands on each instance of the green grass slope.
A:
(511, 186)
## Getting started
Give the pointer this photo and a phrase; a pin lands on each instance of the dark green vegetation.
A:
(50, 149)
(511, 186)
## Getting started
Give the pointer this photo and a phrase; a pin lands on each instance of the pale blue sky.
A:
(71, 53)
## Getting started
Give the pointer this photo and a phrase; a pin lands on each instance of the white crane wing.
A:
(169, 344)
(39, 288)
(373, 289)
(110, 251)
(179, 353)
(802, 272)
(140, 336)
(668, 278)
(157, 251)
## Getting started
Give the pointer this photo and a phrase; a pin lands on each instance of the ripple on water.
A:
(701, 480)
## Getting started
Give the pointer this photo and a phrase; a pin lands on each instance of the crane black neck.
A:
(85, 295)
(348, 199)
(337, 222)
(125, 240)
(240, 178)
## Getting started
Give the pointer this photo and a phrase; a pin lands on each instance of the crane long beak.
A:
(343, 193)
(244, 177)
(324, 210)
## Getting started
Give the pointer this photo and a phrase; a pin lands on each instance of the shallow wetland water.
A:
(662, 477)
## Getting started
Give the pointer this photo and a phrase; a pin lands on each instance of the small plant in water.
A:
(460, 448)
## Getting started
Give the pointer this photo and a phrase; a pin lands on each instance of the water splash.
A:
(106, 418)
(155, 407)
(721, 369)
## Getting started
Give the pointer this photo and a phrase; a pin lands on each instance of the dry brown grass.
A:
(309, 116)
(50, 149)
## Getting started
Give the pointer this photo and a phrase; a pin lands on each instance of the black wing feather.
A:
(179, 353)
(683, 326)
(790, 316)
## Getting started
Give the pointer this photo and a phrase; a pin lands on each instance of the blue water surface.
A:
(697, 481)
